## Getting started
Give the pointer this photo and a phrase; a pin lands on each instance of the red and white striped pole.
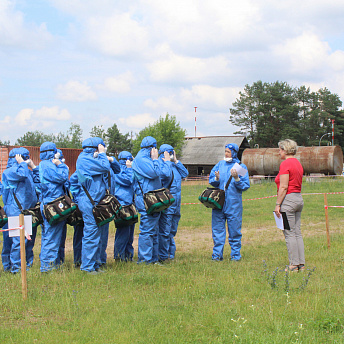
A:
(195, 120)
(332, 120)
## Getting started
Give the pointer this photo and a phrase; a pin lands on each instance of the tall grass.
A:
(193, 299)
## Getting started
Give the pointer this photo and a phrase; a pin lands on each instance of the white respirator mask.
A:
(95, 154)
(57, 155)
(227, 159)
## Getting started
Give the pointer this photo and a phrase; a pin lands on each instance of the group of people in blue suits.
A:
(24, 184)
(96, 174)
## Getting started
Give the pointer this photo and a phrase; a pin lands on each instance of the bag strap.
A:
(230, 179)
(17, 201)
(88, 195)
(139, 185)
(169, 186)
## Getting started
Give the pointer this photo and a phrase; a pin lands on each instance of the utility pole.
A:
(195, 120)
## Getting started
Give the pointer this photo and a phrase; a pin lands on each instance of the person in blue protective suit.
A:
(75, 189)
(92, 169)
(124, 192)
(53, 174)
(232, 209)
(104, 230)
(147, 173)
(169, 219)
(61, 254)
(18, 193)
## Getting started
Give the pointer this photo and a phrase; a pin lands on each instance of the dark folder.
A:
(285, 220)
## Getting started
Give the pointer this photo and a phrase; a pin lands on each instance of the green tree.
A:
(164, 130)
(117, 142)
(98, 131)
(269, 112)
(33, 138)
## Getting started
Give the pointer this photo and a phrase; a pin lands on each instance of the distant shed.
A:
(201, 154)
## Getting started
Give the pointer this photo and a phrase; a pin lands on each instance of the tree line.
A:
(165, 130)
(269, 112)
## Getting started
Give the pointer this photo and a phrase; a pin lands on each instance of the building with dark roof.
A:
(201, 154)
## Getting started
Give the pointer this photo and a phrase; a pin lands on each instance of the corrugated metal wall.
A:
(70, 154)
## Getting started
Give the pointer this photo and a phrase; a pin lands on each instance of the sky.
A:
(96, 63)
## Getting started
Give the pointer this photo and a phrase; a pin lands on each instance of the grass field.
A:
(193, 299)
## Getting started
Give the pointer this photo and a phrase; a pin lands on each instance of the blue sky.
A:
(130, 62)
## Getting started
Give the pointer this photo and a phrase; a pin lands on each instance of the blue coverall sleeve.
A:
(244, 182)
(19, 174)
(150, 167)
(212, 180)
(125, 177)
(97, 166)
(56, 174)
(182, 170)
(35, 175)
(115, 166)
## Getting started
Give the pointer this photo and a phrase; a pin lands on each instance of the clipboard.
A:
(285, 220)
(282, 222)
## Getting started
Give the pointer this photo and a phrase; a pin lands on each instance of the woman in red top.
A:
(289, 200)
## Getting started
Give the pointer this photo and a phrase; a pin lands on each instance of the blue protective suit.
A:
(169, 219)
(104, 230)
(124, 192)
(17, 179)
(148, 172)
(61, 254)
(52, 179)
(92, 173)
(232, 209)
(78, 229)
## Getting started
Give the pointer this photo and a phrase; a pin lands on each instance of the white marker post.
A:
(23, 256)
(22, 227)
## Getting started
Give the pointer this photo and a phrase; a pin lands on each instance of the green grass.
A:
(195, 300)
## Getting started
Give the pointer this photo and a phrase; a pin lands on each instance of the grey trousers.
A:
(292, 205)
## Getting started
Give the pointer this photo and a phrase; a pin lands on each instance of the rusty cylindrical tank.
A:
(322, 159)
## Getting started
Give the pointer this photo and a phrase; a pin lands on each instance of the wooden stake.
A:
(327, 222)
(23, 256)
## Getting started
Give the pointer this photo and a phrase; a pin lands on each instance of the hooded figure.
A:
(92, 169)
(53, 175)
(169, 219)
(61, 254)
(18, 192)
(124, 192)
(147, 174)
(232, 209)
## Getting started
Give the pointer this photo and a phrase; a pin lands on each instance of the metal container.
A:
(322, 159)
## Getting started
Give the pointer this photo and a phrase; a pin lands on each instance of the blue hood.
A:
(234, 148)
(148, 142)
(90, 145)
(48, 150)
(12, 157)
(123, 156)
(165, 147)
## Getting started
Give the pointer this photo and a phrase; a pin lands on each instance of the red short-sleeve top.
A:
(293, 167)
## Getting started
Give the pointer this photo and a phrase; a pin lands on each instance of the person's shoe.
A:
(100, 271)
(292, 268)
(301, 267)
(158, 263)
(94, 272)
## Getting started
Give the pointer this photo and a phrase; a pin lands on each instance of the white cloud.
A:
(75, 91)
(138, 121)
(15, 32)
(118, 84)
(53, 113)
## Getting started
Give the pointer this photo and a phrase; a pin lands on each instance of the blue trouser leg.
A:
(218, 225)
(90, 251)
(165, 224)
(173, 232)
(6, 250)
(234, 235)
(121, 241)
(148, 238)
(129, 250)
(29, 247)
(50, 245)
(104, 237)
(61, 254)
(77, 243)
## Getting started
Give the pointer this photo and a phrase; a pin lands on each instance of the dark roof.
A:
(209, 150)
